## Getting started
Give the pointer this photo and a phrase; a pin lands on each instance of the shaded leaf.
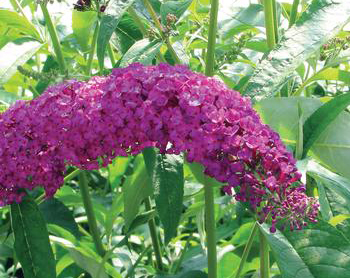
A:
(168, 183)
(32, 240)
(55, 212)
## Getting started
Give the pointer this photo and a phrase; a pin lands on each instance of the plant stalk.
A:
(294, 13)
(275, 20)
(160, 29)
(264, 257)
(85, 194)
(247, 250)
(213, 23)
(208, 189)
(153, 231)
(269, 24)
(54, 38)
(92, 50)
(210, 230)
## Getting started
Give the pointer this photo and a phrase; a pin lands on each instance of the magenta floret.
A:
(87, 124)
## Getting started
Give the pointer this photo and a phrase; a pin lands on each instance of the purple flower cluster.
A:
(87, 124)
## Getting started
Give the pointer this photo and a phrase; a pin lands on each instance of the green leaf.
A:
(321, 118)
(109, 22)
(24, 52)
(32, 240)
(14, 20)
(242, 19)
(49, 65)
(320, 22)
(135, 188)
(316, 251)
(142, 51)
(82, 24)
(332, 148)
(127, 33)
(55, 212)
(176, 8)
(333, 182)
(168, 183)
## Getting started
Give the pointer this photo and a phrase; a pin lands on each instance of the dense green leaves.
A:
(321, 118)
(322, 20)
(32, 244)
(319, 250)
(109, 22)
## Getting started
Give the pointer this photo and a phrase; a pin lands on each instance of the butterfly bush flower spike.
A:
(87, 124)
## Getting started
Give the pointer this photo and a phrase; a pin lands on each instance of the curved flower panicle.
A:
(87, 124)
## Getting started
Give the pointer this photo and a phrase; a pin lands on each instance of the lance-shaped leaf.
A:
(317, 251)
(109, 22)
(168, 182)
(32, 243)
(320, 22)
(321, 118)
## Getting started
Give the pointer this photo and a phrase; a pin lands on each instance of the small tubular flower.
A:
(87, 124)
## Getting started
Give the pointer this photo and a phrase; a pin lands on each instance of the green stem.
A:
(85, 194)
(54, 38)
(246, 250)
(111, 54)
(92, 50)
(264, 257)
(294, 13)
(154, 236)
(275, 20)
(213, 23)
(159, 27)
(210, 230)
(269, 24)
(208, 189)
